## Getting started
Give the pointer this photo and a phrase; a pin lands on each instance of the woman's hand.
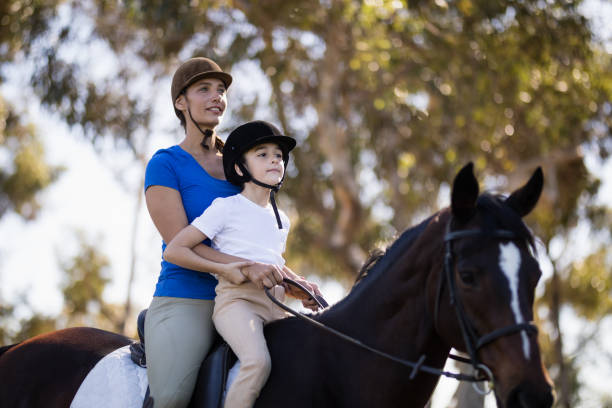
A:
(233, 272)
(263, 275)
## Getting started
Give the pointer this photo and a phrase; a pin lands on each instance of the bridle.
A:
(472, 341)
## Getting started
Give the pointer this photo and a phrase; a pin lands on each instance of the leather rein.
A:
(472, 341)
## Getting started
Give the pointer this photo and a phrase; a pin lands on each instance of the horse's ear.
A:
(465, 193)
(525, 198)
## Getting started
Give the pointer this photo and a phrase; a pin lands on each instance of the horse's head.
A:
(485, 292)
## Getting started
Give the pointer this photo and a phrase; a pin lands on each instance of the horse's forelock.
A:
(497, 214)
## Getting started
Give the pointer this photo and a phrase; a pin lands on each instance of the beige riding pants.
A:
(178, 335)
(240, 313)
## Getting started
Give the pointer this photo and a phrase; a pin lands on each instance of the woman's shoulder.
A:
(167, 153)
(167, 157)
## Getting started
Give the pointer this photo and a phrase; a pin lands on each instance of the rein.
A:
(472, 342)
(415, 366)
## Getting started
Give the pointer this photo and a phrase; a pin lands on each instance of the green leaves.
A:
(26, 174)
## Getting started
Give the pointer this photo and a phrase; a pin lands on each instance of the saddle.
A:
(213, 374)
(212, 377)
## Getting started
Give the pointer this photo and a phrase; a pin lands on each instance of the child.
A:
(249, 226)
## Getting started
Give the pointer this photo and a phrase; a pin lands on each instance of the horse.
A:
(463, 278)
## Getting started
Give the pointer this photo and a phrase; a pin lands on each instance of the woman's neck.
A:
(195, 142)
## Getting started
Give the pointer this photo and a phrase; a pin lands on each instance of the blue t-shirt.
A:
(177, 169)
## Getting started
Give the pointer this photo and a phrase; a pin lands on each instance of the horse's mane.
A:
(5, 348)
(380, 258)
(496, 215)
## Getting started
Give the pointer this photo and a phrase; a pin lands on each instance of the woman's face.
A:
(206, 99)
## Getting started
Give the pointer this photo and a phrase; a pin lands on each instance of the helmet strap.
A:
(273, 190)
(207, 133)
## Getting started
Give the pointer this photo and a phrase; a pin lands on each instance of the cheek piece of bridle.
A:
(472, 341)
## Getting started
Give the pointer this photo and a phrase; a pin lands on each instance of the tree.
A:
(27, 174)
(86, 280)
(386, 98)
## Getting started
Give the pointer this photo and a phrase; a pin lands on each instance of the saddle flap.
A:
(212, 377)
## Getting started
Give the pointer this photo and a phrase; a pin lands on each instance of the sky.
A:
(97, 193)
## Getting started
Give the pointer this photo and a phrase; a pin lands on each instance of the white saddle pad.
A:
(114, 382)
(117, 382)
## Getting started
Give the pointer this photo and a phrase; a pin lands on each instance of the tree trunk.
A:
(333, 141)
(562, 383)
(127, 311)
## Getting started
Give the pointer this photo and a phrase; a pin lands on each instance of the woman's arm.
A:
(166, 210)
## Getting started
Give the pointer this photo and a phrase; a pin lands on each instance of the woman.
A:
(180, 183)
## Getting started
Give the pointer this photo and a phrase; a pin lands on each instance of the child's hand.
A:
(307, 301)
(233, 271)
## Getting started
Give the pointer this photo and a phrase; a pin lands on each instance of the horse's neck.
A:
(387, 311)
(390, 312)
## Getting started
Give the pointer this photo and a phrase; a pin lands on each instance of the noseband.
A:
(472, 341)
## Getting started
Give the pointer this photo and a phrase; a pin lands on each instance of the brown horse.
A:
(463, 278)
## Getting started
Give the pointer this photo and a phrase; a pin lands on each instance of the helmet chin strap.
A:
(273, 190)
(207, 133)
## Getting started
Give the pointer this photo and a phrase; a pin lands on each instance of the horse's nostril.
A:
(528, 395)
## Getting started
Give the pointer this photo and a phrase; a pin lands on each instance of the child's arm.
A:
(179, 251)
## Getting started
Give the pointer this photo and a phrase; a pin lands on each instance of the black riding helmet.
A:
(244, 138)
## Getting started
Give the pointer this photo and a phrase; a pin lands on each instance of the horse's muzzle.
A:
(526, 395)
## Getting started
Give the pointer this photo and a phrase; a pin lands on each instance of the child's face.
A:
(265, 163)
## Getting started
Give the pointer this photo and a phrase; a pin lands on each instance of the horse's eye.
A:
(468, 276)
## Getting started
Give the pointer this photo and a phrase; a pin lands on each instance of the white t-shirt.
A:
(238, 226)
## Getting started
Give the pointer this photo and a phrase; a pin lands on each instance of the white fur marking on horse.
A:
(510, 263)
(115, 381)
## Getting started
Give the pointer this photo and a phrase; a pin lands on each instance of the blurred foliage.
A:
(5, 312)
(22, 24)
(588, 285)
(25, 173)
(12, 331)
(34, 325)
(382, 95)
(86, 279)
(386, 98)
